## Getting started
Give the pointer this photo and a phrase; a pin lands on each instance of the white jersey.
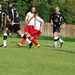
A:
(28, 16)
(37, 22)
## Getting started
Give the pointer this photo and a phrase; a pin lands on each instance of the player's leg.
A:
(56, 31)
(23, 36)
(5, 38)
(34, 41)
(61, 42)
(56, 38)
(30, 38)
(35, 35)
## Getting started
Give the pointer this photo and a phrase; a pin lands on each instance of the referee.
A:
(56, 20)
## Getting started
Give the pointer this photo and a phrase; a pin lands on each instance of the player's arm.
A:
(64, 21)
(6, 15)
(41, 21)
(26, 18)
(51, 20)
(41, 27)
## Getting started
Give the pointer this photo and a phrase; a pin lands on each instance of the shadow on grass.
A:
(58, 49)
(66, 51)
(15, 46)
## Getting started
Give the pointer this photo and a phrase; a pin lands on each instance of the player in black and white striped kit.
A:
(2, 15)
(14, 23)
(56, 20)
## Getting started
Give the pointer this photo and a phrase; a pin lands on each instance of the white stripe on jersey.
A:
(12, 14)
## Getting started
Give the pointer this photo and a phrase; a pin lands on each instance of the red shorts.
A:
(34, 32)
(28, 28)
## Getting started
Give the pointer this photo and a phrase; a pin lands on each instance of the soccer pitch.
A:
(46, 60)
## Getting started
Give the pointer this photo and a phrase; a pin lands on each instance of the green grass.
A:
(46, 60)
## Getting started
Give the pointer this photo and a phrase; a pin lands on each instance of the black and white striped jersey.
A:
(14, 16)
(57, 18)
(2, 14)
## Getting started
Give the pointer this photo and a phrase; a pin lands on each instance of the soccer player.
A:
(29, 21)
(2, 15)
(56, 20)
(35, 31)
(14, 23)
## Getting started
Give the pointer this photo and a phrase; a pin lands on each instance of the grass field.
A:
(46, 60)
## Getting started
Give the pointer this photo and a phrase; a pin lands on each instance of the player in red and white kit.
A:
(29, 21)
(37, 31)
(34, 31)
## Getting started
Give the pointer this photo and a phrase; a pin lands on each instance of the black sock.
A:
(24, 37)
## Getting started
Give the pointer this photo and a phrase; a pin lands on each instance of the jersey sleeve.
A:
(12, 14)
(27, 17)
(39, 19)
(63, 19)
(5, 13)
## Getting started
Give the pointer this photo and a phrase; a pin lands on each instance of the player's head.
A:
(10, 3)
(57, 9)
(0, 6)
(35, 13)
(33, 9)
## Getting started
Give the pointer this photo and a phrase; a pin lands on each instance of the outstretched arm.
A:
(41, 27)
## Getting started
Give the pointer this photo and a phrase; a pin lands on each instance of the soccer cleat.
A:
(3, 46)
(19, 44)
(30, 45)
(54, 46)
(37, 46)
(61, 44)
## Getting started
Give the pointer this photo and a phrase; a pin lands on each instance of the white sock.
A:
(4, 41)
(60, 40)
(55, 41)
(22, 35)
(28, 41)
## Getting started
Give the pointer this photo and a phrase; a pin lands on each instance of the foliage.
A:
(45, 8)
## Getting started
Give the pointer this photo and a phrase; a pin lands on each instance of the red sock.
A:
(35, 42)
(22, 41)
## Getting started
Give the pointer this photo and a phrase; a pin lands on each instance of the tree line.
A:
(45, 8)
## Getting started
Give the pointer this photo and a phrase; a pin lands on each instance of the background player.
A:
(29, 21)
(56, 20)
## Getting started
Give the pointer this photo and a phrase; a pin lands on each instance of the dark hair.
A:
(36, 12)
(9, 2)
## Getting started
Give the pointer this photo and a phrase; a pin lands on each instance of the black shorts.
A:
(14, 28)
(1, 25)
(56, 28)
